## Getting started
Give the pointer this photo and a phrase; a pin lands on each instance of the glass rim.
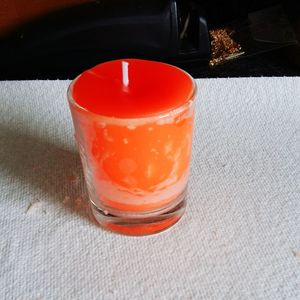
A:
(155, 116)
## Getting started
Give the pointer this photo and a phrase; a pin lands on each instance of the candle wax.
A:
(135, 139)
(153, 88)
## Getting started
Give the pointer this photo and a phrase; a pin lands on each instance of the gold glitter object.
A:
(223, 47)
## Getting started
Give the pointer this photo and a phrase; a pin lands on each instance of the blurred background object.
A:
(60, 39)
(15, 13)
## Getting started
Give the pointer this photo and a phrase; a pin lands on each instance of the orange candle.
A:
(133, 121)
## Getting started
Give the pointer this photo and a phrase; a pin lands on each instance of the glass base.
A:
(143, 225)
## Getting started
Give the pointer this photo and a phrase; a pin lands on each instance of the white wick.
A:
(125, 77)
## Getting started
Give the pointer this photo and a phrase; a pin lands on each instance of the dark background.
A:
(279, 62)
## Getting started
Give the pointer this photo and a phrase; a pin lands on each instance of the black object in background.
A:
(64, 44)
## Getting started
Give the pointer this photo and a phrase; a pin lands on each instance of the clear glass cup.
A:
(136, 168)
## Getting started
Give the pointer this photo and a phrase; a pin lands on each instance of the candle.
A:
(133, 123)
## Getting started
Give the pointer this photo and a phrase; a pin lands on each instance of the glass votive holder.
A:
(133, 123)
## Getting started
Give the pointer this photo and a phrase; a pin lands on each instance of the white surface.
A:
(236, 241)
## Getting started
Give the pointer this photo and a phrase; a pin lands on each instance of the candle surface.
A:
(152, 88)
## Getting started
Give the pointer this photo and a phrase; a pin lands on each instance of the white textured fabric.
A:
(239, 238)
